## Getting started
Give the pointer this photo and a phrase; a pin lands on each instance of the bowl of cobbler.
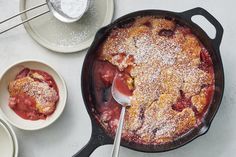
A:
(173, 69)
(32, 95)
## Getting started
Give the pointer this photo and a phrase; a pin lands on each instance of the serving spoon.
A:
(124, 100)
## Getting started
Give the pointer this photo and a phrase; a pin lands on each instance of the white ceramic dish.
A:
(8, 140)
(10, 115)
(63, 37)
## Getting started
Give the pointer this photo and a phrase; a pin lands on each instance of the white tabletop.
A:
(72, 130)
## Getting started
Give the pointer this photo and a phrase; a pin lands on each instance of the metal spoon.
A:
(123, 100)
(54, 9)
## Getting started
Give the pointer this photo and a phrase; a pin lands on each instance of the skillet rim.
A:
(161, 13)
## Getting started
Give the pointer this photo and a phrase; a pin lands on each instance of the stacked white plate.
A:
(8, 140)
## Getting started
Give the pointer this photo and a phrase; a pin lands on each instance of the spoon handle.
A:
(116, 145)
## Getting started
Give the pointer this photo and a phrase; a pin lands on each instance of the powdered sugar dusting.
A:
(41, 92)
(71, 8)
(162, 67)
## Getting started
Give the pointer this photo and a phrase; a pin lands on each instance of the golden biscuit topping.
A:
(168, 83)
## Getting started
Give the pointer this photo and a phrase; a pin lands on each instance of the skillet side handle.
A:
(98, 138)
(200, 11)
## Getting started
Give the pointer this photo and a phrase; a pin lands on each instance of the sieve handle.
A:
(32, 8)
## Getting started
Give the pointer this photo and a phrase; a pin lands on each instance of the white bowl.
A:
(8, 140)
(10, 115)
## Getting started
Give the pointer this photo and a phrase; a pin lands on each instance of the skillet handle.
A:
(88, 149)
(98, 138)
(200, 11)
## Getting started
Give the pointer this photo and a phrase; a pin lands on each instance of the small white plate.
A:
(8, 140)
(63, 37)
(10, 115)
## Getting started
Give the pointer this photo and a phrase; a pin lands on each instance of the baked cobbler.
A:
(33, 94)
(169, 71)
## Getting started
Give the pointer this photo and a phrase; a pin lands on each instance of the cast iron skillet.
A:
(99, 136)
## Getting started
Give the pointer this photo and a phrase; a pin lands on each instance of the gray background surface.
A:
(72, 130)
